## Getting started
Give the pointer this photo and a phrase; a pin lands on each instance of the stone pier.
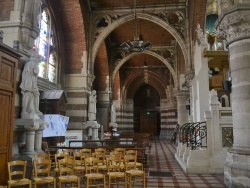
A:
(233, 25)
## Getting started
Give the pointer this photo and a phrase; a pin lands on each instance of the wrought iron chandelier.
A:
(137, 45)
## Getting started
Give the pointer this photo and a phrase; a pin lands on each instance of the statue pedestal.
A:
(92, 127)
(33, 140)
(29, 116)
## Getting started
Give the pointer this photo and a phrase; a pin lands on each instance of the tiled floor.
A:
(161, 159)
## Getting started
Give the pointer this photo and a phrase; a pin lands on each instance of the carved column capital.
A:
(189, 76)
(233, 23)
(90, 80)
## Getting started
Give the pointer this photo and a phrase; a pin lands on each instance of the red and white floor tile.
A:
(161, 160)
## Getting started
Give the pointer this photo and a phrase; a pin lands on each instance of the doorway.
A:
(146, 113)
(149, 122)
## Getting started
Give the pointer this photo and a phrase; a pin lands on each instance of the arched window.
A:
(47, 46)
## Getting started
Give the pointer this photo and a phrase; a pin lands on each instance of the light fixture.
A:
(137, 45)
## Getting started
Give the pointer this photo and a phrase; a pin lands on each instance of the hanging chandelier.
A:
(137, 45)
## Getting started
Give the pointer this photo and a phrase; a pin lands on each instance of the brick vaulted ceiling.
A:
(153, 32)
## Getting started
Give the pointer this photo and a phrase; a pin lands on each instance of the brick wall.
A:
(6, 7)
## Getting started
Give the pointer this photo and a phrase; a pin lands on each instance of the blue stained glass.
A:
(46, 43)
(210, 20)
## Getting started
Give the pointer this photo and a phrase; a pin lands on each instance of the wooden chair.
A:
(40, 156)
(42, 175)
(132, 154)
(93, 178)
(100, 150)
(51, 152)
(101, 162)
(120, 151)
(58, 156)
(132, 174)
(115, 174)
(85, 151)
(79, 168)
(70, 152)
(17, 173)
(66, 172)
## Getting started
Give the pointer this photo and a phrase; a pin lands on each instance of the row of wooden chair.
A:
(120, 166)
(101, 165)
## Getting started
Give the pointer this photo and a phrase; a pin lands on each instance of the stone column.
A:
(38, 141)
(233, 25)
(95, 134)
(182, 97)
(30, 139)
(30, 126)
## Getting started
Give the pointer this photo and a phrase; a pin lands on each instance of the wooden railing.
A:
(102, 143)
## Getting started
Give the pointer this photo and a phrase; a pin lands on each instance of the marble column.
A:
(30, 140)
(182, 97)
(30, 126)
(233, 25)
(38, 141)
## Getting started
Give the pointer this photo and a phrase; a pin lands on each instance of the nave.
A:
(162, 163)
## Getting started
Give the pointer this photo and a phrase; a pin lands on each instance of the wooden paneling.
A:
(8, 66)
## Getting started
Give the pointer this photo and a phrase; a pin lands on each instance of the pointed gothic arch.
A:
(118, 22)
(118, 66)
(134, 84)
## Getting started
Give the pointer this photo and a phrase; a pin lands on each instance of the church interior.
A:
(168, 79)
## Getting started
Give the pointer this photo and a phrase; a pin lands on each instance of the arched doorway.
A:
(146, 110)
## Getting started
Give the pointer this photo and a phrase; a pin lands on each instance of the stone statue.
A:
(92, 106)
(30, 100)
(113, 113)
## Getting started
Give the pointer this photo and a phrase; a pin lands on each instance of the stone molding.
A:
(182, 95)
(200, 34)
(189, 76)
(105, 31)
(176, 19)
(233, 24)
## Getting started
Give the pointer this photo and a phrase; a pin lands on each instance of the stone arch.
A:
(105, 32)
(134, 84)
(150, 53)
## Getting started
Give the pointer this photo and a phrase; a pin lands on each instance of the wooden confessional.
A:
(8, 66)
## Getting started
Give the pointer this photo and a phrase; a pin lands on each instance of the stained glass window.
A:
(46, 45)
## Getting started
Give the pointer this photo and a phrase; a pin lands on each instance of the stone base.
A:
(92, 124)
(30, 124)
(237, 170)
(29, 116)
(29, 154)
(200, 162)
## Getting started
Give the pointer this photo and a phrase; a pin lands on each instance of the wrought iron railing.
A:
(184, 130)
(198, 136)
(194, 135)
